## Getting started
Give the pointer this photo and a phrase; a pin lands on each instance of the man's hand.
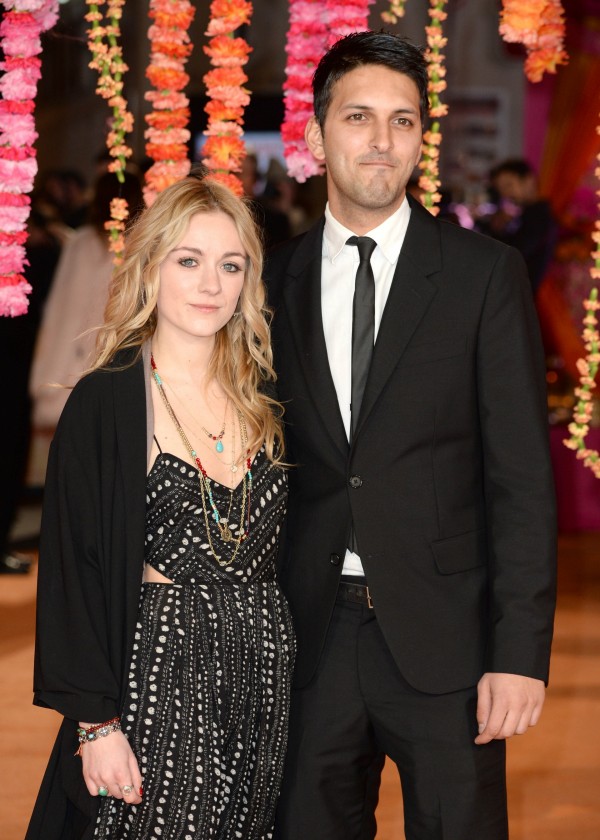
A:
(508, 704)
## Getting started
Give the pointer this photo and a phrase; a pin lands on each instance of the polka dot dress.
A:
(206, 711)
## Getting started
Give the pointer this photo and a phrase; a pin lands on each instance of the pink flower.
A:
(25, 5)
(13, 299)
(23, 43)
(12, 259)
(17, 175)
(13, 218)
(20, 84)
(17, 130)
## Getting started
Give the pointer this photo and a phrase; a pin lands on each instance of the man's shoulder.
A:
(282, 254)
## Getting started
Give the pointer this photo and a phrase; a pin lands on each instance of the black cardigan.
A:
(90, 572)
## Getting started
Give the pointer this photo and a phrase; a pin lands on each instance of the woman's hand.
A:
(110, 763)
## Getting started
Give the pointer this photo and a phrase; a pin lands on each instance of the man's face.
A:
(371, 143)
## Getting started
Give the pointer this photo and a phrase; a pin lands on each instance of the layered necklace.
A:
(211, 509)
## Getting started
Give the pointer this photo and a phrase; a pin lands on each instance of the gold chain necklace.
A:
(205, 487)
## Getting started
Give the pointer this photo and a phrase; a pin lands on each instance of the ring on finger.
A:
(102, 791)
(127, 789)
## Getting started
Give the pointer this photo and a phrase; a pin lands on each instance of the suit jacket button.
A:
(334, 559)
(355, 481)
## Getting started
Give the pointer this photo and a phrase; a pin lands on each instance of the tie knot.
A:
(365, 246)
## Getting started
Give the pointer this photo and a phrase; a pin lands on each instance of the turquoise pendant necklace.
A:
(218, 438)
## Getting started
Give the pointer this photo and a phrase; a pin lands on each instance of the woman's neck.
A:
(184, 362)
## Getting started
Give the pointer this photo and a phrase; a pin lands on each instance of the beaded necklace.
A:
(218, 438)
(205, 485)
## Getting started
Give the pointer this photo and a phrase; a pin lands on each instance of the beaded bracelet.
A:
(98, 730)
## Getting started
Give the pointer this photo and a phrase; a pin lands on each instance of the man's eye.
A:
(356, 117)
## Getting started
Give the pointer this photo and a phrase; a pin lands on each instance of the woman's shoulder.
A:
(93, 393)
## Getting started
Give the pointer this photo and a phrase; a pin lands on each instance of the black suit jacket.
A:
(448, 480)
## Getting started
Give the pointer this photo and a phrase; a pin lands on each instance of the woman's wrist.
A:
(91, 732)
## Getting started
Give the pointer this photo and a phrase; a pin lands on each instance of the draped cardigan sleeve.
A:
(90, 568)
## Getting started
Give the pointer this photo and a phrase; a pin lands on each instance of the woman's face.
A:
(201, 278)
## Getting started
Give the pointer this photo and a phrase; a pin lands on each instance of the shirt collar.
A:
(389, 235)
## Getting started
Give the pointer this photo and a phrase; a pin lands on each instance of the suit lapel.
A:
(410, 296)
(302, 296)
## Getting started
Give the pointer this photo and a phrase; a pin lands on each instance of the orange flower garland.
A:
(429, 164)
(588, 367)
(224, 150)
(540, 26)
(107, 59)
(167, 133)
(588, 370)
(396, 11)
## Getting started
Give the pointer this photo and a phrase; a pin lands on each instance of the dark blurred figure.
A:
(75, 306)
(523, 219)
(274, 224)
(62, 196)
(17, 339)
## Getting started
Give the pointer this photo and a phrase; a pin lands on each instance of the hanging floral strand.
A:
(167, 133)
(588, 367)
(588, 370)
(429, 180)
(306, 42)
(346, 17)
(540, 26)
(107, 59)
(20, 30)
(224, 149)
(314, 27)
(396, 11)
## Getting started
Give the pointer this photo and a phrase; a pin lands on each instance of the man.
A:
(523, 219)
(419, 559)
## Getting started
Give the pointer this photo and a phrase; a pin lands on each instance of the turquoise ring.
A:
(102, 791)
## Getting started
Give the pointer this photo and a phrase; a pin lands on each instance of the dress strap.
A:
(158, 444)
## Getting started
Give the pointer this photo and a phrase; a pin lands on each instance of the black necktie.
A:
(363, 322)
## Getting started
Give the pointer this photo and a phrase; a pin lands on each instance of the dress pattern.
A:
(206, 711)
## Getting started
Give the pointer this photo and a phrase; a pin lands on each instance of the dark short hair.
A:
(360, 48)
(514, 166)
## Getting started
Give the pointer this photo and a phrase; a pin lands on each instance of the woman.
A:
(166, 474)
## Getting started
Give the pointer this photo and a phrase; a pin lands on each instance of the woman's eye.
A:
(232, 268)
(187, 262)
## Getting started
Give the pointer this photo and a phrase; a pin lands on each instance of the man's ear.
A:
(314, 139)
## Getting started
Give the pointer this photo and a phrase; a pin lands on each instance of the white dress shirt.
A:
(338, 274)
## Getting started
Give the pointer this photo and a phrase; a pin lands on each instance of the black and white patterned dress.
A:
(206, 711)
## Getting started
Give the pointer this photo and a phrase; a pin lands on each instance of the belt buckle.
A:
(369, 599)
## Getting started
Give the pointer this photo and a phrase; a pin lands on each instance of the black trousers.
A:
(357, 710)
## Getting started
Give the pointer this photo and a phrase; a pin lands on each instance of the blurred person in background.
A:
(273, 223)
(523, 218)
(75, 305)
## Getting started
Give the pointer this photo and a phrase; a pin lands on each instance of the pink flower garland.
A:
(314, 27)
(20, 31)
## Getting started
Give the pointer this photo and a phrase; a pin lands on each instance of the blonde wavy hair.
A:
(242, 360)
